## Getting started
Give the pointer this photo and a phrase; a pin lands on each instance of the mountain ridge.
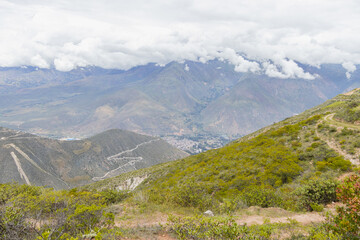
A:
(202, 102)
(31, 159)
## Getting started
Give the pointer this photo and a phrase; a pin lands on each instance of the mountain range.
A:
(195, 106)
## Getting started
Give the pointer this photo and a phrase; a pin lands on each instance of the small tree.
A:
(316, 192)
(347, 220)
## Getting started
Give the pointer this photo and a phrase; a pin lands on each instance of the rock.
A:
(131, 183)
(209, 213)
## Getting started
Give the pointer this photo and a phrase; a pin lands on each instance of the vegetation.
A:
(293, 165)
(317, 192)
(226, 228)
(347, 220)
(28, 212)
(267, 170)
(350, 112)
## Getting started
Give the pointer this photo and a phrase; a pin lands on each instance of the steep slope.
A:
(34, 160)
(179, 100)
(278, 98)
(274, 162)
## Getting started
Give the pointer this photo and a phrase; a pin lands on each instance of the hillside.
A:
(194, 105)
(34, 160)
(257, 187)
(269, 167)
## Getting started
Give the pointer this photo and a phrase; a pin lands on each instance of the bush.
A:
(54, 214)
(316, 207)
(356, 144)
(194, 195)
(332, 129)
(315, 193)
(324, 232)
(345, 132)
(11, 190)
(347, 220)
(260, 196)
(210, 228)
(113, 196)
(230, 206)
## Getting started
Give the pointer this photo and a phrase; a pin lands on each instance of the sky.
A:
(262, 36)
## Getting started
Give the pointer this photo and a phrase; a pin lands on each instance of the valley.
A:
(188, 120)
(258, 179)
(248, 176)
(276, 183)
(203, 107)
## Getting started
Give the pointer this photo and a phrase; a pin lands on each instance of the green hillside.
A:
(270, 167)
(277, 179)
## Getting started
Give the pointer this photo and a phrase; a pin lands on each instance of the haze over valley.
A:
(194, 106)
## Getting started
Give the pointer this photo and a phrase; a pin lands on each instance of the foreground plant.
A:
(38, 213)
(347, 220)
(201, 227)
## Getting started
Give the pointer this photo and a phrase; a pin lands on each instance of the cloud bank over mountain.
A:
(264, 36)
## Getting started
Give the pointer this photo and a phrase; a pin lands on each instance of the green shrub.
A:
(229, 206)
(351, 151)
(316, 192)
(114, 196)
(324, 232)
(260, 196)
(347, 220)
(54, 214)
(310, 121)
(332, 129)
(334, 163)
(194, 195)
(356, 144)
(316, 207)
(209, 228)
(11, 190)
(349, 113)
(346, 132)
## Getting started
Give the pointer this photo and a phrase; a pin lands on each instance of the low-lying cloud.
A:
(257, 36)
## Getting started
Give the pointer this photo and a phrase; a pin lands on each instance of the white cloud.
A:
(38, 61)
(241, 64)
(286, 69)
(272, 71)
(186, 68)
(350, 68)
(256, 36)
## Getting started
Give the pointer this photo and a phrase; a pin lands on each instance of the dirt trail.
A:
(305, 219)
(130, 150)
(157, 219)
(330, 119)
(130, 160)
(354, 159)
(154, 237)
